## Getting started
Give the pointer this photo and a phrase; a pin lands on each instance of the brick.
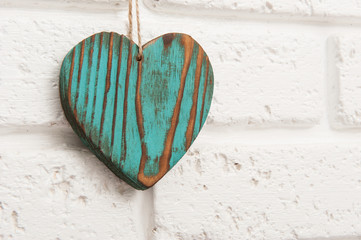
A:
(52, 190)
(267, 79)
(261, 192)
(32, 49)
(314, 8)
(344, 78)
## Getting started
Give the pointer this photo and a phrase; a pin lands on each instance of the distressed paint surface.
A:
(138, 117)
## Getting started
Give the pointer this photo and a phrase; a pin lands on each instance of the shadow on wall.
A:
(103, 179)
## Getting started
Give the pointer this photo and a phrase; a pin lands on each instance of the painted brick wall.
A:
(279, 157)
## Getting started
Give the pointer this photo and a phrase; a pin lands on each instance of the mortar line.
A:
(179, 12)
(209, 134)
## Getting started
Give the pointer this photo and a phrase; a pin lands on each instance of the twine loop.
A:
(130, 33)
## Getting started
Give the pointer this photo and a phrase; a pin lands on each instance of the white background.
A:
(279, 157)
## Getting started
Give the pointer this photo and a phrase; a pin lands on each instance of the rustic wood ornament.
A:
(138, 117)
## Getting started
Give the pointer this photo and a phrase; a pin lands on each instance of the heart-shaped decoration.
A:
(138, 117)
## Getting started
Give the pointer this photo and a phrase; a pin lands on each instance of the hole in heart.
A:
(139, 57)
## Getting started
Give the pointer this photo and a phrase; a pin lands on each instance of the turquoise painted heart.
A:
(138, 117)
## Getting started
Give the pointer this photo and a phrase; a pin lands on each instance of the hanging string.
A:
(130, 33)
(130, 20)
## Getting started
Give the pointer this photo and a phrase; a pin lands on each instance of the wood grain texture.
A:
(138, 117)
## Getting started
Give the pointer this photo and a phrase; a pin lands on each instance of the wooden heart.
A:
(138, 117)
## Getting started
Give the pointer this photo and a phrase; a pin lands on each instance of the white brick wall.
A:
(279, 158)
